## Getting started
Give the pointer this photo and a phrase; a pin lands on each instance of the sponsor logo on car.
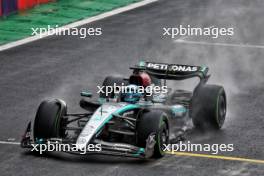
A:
(174, 68)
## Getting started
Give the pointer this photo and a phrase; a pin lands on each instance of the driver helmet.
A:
(131, 94)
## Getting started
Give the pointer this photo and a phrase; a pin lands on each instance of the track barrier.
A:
(8, 7)
(32, 3)
(0, 7)
(22, 4)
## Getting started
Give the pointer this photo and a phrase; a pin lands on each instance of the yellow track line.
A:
(217, 157)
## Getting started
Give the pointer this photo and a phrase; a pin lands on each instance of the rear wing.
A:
(172, 71)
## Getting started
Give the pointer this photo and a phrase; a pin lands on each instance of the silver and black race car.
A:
(129, 122)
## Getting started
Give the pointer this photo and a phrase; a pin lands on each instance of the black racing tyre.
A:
(153, 122)
(208, 107)
(109, 81)
(48, 120)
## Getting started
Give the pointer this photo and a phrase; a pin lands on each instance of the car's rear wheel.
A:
(153, 122)
(208, 107)
(49, 119)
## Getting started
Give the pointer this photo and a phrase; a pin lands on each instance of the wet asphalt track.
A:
(62, 66)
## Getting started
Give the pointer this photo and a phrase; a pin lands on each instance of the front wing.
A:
(107, 148)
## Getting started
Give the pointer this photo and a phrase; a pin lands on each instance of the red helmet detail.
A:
(146, 80)
(140, 79)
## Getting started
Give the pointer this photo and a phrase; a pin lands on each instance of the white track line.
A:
(219, 44)
(12, 143)
(79, 23)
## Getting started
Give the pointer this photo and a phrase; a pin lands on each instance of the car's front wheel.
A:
(153, 122)
(49, 119)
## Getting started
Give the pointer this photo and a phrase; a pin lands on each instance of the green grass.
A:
(18, 26)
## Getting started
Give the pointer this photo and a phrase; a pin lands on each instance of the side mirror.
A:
(86, 94)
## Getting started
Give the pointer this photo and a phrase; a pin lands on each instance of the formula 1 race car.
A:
(133, 121)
